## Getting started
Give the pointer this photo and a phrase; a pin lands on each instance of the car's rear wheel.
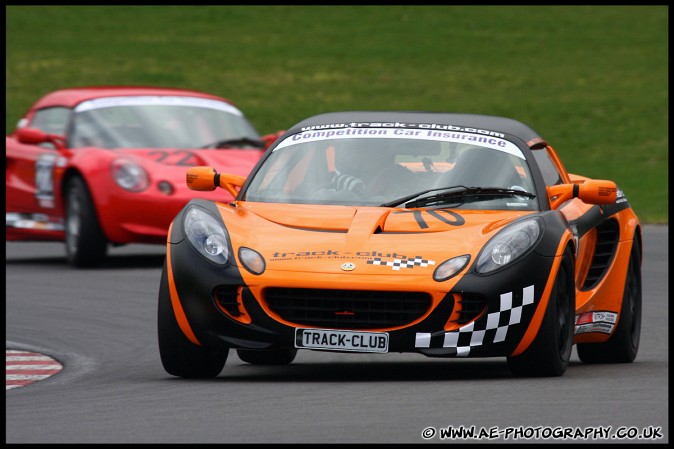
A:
(623, 345)
(86, 245)
(268, 356)
(179, 356)
(549, 353)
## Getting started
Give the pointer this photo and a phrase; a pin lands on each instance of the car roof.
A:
(71, 97)
(479, 122)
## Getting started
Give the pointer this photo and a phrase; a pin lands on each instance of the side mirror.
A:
(206, 179)
(268, 139)
(33, 136)
(590, 191)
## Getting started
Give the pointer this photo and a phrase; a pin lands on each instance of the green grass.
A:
(593, 80)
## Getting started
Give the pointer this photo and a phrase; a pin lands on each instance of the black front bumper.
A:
(510, 298)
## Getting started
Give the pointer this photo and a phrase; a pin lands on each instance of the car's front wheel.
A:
(268, 356)
(623, 345)
(549, 353)
(86, 245)
(179, 356)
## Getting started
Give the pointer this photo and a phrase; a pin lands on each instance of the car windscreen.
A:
(157, 122)
(374, 167)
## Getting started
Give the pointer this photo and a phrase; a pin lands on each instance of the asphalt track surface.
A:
(101, 325)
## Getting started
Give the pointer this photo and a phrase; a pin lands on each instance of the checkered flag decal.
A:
(495, 330)
(397, 264)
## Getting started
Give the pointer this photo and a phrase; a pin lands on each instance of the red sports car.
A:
(95, 166)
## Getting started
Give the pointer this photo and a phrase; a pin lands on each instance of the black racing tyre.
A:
(623, 345)
(549, 353)
(179, 356)
(86, 245)
(283, 356)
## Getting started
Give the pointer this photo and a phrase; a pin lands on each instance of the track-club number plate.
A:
(337, 340)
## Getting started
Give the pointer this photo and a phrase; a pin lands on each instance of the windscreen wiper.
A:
(460, 193)
(236, 142)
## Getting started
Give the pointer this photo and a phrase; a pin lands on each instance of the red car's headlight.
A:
(129, 175)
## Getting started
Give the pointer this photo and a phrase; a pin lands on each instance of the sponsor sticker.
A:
(492, 142)
(149, 100)
(32, 221)
(598, 321)
(44, 176)
(604, 328)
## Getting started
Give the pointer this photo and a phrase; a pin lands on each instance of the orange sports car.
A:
(445, 234)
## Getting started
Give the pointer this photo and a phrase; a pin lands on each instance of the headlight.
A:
(508, 245)
(129, 175)
(206, 235)
(450, 267)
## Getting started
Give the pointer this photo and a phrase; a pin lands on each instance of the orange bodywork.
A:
(540, 310)
(607, 294)
(355, 239)
(175, 300)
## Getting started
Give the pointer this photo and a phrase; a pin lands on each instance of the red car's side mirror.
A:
(33, 136)
(268, 139)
